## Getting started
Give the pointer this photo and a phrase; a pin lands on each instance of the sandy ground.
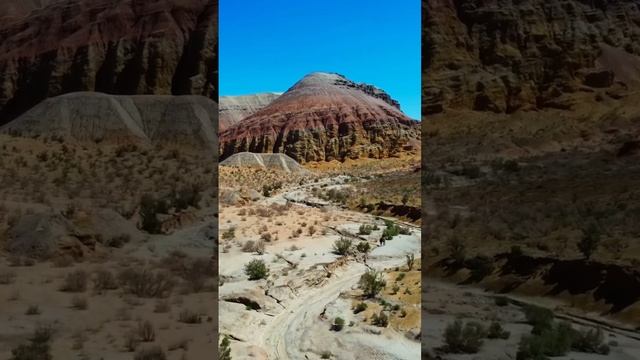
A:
(299, 301)
(103, 328)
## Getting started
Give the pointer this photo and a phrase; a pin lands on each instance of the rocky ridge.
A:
(502, 56)
(324, 117)
(48, 48)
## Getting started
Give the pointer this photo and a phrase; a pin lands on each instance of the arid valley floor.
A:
(311, 305)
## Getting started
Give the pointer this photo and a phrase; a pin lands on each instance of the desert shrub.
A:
(145, 331)
(150, 353)
(7, 277)
(338, 324)
(363, 247)
(256, 270)
(365, 229)
(360, 308)
(161, 306)
(268, 189)
(342, 246)
(62, 261)
(400, 276)
(590, 241)
(118, 241)
(462, 338)
(195, 273)
(380, 319)
(501, 301)
(554, 340)
(516, 251)
(311, 230)
(371, 283)
(590, 341)
(326, 355)
(497, 332)
(104, 280)
(480, 266)
(411, 259)
(131, 341)
(146, 283)
(254, 246)
(540, 318)
(457, 250)
(79, 303)
(189, 317)
(32, 310)
(38, 347)
(149, 209)
(229, 234)
(266, 237)
(75, 281)
(224, 350)
(188, 195)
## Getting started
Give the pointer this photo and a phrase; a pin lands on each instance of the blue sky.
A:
(268, 45)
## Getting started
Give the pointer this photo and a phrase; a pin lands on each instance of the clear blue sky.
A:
(269, 45)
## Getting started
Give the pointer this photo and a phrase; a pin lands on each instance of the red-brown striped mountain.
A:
(325, 117)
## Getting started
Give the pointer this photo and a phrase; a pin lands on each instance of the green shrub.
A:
(360, 308)
(149, 209)
(381, 319)
(224, 352)
(256, 270)
(497, 332)
(229, 234)
(590, 241)
(372, 283)
(38, 347)
(462, 338)
(363, 247)
(540, 318)
(365, 229)
(552, 341)
(338, 324)
(342, 246)
(590, 341)
(411, 259)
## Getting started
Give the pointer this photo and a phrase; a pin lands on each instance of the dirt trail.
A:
(284, 335)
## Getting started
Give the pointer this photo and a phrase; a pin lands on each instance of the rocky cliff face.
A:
(323, 117)
(507, 55)
(49, 48)
(235, 108)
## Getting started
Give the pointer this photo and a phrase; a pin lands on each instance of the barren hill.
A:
(97, 117)
(235, 108)
(322, 117)
(48, 48)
